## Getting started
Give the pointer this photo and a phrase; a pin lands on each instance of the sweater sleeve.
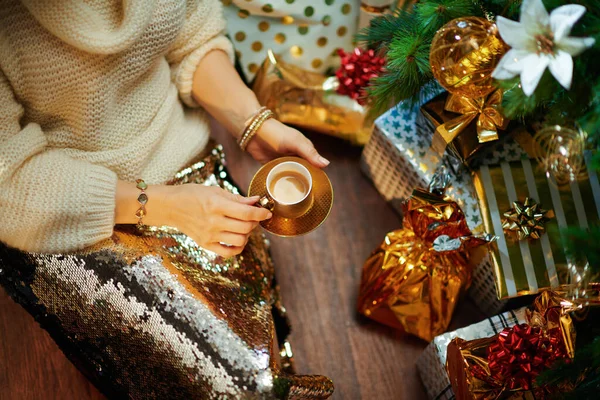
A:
(49, 202)
(202, 32)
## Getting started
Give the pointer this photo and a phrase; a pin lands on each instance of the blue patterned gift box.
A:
(403, 136)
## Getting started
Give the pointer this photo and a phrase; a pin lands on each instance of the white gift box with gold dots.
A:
(306, 33)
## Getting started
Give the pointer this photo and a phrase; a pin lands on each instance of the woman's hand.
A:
(275, 139)
(217, 220)
(219, 89)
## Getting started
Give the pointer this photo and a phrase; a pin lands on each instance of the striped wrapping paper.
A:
(528, 266)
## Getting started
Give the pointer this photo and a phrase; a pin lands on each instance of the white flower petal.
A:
(517, 60)
(561, 66)
(534, 66)
(563, 18)
(513, 33)
(575, 46)
(534, 16)
(501, 72)
(511, 64)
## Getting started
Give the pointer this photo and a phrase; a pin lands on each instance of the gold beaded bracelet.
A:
(254, 127)
(250, 127)
(142, 199)
(249, 121)
(253, 116)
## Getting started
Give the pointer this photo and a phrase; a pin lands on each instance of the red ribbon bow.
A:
(520, 353)
(357, 69)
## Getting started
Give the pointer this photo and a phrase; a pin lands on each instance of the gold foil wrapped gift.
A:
(309, 100)
(414, 279)
(470, 363)
(530, 255)
(463, 125)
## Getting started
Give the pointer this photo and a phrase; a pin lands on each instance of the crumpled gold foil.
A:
(549, 311)
(457, 132)
(414, 279)
(309, 100)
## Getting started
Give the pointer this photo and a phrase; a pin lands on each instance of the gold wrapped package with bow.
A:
(506, 365)
(309, 100)
(452, 116)
(414, 279)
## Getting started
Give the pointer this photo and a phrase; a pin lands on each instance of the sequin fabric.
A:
(148, 314)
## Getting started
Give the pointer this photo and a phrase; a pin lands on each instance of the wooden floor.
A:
(319, 275)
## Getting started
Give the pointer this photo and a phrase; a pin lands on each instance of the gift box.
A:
(462, 126)
(527, 211)
(398, 157)
(415, 278)
(507, 364)
(306, 34)
(431, 365)
(309, 100)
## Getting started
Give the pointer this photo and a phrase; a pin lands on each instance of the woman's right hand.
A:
(216, 219)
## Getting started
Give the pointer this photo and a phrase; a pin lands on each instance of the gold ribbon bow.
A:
(526, 219)
(486, 110)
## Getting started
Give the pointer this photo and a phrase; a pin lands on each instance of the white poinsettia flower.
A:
(540, 41)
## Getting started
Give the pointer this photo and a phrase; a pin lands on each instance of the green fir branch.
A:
(431, 15)
(583, 373)
(382, 30)
(582, 246)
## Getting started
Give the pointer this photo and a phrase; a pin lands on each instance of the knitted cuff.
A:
(187, 68)
(100, 194)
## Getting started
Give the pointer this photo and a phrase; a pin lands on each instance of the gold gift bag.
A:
(309, 100)
(415, 278)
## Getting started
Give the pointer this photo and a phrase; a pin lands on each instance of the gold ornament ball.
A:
(559, 150)
(464, 53)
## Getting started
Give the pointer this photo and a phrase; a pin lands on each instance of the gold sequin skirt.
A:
(148, 314)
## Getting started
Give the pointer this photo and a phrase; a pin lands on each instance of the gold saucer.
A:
(322, 193)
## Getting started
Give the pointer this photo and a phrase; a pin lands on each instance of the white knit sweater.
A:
(92, 91)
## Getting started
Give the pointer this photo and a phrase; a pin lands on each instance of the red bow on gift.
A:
(357, 69)
(519, 355)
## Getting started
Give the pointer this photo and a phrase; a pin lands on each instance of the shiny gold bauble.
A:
(559, 151)
(464, 53)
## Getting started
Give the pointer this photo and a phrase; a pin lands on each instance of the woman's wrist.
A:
(246, 110)
(218, 88)
(126, 204)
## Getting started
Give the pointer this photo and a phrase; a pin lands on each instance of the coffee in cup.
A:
(289, 187)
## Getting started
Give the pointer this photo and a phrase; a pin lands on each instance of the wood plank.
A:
(32, 366)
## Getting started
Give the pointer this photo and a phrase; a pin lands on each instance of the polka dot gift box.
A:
(306, 33)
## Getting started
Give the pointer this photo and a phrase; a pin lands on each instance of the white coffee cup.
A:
(288, 203)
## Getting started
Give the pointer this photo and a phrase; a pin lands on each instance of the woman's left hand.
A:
(275, 139)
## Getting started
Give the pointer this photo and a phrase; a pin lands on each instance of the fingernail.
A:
(269, 215)
(323, 160)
